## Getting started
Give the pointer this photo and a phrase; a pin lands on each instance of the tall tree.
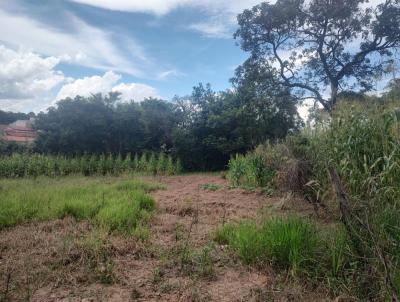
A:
(219, 124)
(310, 47)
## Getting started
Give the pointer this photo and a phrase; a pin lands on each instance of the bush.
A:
(250, 171)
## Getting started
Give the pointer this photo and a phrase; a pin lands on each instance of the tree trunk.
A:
(334, 92)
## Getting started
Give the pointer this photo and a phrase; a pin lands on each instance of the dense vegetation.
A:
(10, 117)
(33, 165)
(203, 129)
(360, 141)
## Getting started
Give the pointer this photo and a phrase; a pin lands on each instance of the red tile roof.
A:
(19, 139)
(20, 131)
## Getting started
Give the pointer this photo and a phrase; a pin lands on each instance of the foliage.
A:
(33, 165)
(361, 141)
(250, 171)
(111, 203)
(101, 124)
(318, 255)
(203, 129)
(308, 46)
(10, 117)
(218, 125)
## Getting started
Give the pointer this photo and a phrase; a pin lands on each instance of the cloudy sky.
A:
(52, 49)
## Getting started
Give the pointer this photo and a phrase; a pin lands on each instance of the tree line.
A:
(202, 129)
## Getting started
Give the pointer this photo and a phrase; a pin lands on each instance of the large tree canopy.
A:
(216, 125)
(320, 45)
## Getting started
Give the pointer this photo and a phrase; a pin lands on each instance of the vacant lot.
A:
(106, 239)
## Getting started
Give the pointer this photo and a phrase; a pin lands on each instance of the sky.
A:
(52, 49)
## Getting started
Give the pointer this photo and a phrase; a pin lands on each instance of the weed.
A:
(211, 187)
(95, 254)
(157, 275)
(250, 171)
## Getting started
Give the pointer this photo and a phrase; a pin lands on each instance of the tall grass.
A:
(361, 141)
(33, 165)
(249, 171)
(295, 245)
(112, 203)
(289, 243)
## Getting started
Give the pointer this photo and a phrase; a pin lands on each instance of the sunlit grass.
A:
(119, 204)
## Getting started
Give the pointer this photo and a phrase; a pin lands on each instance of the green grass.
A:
(320, 255)
(211, 187)
(116, 204)
(289, 243)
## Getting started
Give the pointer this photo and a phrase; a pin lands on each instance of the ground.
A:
(51, 261)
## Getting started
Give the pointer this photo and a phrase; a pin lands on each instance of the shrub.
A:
(250, 171)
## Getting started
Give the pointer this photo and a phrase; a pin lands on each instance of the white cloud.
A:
(78, 43)
(135, 91)
(169, 73)
(222, 13)
(25, 74)
(213, 29)
(26, 77)
(160, 7)
(104, 84)
(89, 85)
(30, 82)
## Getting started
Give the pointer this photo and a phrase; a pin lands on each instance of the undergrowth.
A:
(360, 143)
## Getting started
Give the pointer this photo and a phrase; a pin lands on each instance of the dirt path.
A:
(178, 263)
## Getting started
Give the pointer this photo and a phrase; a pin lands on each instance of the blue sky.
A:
(52, 49)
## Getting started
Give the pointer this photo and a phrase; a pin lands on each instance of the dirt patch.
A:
(48, 262)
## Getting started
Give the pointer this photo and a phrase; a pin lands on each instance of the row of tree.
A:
(202, 129)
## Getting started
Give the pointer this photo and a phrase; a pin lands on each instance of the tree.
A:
(311, 47)
(159, 119)
(10, 117)
(79, 125)
(219, 124)
(102, 124)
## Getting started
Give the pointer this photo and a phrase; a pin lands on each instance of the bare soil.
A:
(42, 262)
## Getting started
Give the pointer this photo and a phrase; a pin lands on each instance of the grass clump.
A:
(211, 187)
(113, 203)
(290, 243)
(319, 256)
